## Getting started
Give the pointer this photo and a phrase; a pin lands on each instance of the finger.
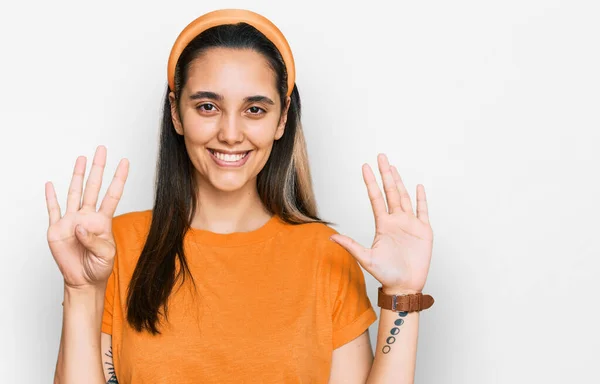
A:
(360, 253)
(74, 195)
(422, 208)
(99, 247)
(115, 189)
(52, 204)
(375, 196)
(94, 181)
(389, 185)
(404, 196)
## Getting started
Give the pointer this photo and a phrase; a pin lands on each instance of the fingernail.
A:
(81, 230)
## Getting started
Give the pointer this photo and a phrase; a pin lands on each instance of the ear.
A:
(283, 119)
(175, 114)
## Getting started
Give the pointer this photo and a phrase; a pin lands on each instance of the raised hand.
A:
(401, 252)
(81, 241)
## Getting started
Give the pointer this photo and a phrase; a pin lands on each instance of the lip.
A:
(229, 164)
(228, 152)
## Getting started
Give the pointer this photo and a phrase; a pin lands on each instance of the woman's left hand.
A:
(401, 252)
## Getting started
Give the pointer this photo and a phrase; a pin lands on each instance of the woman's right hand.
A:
(81, 241)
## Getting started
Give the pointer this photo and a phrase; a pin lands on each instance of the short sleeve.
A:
(352, 310)
(109, 300)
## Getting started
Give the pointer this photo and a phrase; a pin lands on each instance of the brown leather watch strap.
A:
(404, 303)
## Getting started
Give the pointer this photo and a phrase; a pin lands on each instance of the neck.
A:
(226, 212)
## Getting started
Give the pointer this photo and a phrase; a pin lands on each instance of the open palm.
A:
(401, 252)
(81, 241)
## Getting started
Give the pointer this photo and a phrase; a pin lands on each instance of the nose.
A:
(230, 130)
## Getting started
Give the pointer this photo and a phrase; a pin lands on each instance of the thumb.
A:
(360, 253)
(99, 247)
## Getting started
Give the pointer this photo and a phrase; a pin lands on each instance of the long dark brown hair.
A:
(284, 184)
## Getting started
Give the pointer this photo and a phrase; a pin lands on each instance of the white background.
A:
(492, 105)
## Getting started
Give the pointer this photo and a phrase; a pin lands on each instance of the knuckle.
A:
(93, 184)
(389, 188)
(114, 196)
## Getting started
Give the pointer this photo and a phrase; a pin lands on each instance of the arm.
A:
(352, 361)
(395, 355)
(107, 358)
(399, 259)
(79, 359)
(83, 246)
(396, 351)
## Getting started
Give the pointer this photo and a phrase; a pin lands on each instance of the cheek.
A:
(262, 134)
(198, 131)
(263, 141)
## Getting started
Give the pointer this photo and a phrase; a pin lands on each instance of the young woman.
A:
(232, 276)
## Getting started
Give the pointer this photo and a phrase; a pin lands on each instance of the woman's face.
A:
(229, 114)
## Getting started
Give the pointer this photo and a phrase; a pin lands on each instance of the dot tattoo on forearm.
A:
(394, 331)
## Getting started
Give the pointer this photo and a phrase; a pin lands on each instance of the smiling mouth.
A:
(229, 157)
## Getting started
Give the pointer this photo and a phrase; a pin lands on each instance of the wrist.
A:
(399, 291)
(88, 296)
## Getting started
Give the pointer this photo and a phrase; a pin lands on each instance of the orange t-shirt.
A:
(270, 306)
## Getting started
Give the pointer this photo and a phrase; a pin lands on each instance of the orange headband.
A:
(232, 16)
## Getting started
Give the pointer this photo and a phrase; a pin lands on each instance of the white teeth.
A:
(228, 157)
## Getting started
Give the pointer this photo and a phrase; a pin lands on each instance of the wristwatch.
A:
(404, 303)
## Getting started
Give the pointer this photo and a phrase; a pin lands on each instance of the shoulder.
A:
(138, 221)
(315, 238)
(314, 230)
(342, 271)
(131, 229)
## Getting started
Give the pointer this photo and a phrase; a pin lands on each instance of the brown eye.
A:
(206, 107)
(256, 110)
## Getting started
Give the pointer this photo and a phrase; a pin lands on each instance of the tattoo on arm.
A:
(111, 368)
(394, 331)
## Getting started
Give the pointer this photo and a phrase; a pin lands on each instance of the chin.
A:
(228, 185)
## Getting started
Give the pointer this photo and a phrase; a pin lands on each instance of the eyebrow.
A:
(218, 97)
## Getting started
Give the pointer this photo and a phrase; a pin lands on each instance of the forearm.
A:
(79, 359)
(396, 351)
(59, 362)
